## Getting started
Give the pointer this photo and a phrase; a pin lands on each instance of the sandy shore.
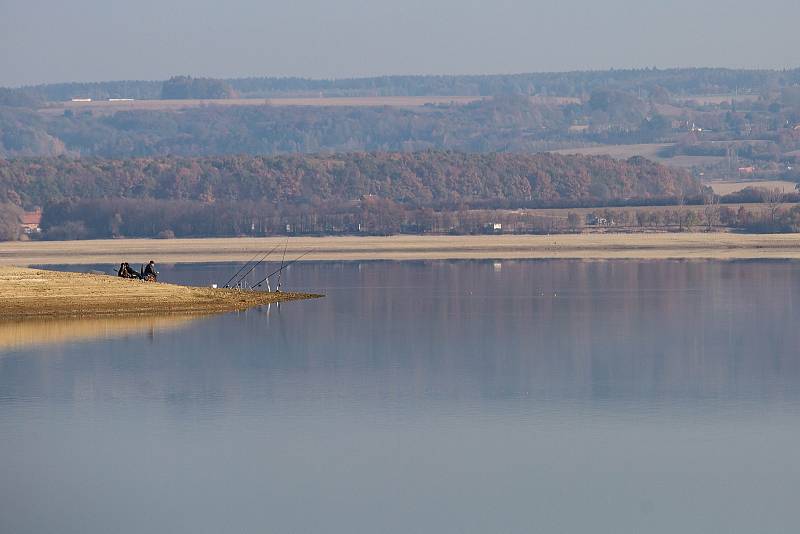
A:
(36, 293)
(580, 246)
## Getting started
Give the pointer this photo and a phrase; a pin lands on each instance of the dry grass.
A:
(31, 292)
(580, 246)
(732, 186)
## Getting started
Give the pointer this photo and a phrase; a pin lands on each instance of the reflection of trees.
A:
(573, 328)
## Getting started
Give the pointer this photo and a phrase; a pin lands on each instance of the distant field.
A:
(728, 187)
(104, 106)
(563, 213)
(716, 99)
(687, 162)
(394, 101)
(649, 151)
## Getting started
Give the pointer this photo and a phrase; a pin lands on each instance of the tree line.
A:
(186, 87)
(577, 84)
(102, 218)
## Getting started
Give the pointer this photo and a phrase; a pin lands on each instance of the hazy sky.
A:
(91, 40)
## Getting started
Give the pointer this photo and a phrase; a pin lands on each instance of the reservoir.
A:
(418, 396)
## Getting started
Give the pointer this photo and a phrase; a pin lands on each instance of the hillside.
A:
(415, 179)
(500, 124)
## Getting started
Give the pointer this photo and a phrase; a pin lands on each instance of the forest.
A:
(507, 124)
(183, 87)
(375, 192)
(419, 179)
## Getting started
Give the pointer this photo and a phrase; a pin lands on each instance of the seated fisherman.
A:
(150, 270)
(122, 273)
(128, 272)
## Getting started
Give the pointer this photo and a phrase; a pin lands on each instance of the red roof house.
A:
(30, 221)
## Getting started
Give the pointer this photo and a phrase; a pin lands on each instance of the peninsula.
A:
(38, 293)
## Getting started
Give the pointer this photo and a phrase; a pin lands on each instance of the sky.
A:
(95, 40)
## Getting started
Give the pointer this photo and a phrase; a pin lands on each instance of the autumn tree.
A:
(9, 222)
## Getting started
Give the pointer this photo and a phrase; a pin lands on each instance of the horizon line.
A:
(379, 76)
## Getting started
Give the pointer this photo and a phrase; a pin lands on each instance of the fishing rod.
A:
(283, 261)
(240, 270)
(239, 280)
(306, 253)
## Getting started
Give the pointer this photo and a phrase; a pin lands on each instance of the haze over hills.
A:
(713, 121)
(680, 81)
(704, 123)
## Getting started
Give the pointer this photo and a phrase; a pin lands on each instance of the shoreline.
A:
(35, 293)
(594, 246)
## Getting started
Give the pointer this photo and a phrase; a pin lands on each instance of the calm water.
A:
(441, 397)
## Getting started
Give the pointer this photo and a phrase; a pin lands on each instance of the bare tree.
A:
(574, 221)
(711, 210)
(773, 199)
(681, 210)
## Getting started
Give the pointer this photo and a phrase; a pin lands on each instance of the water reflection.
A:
(23, 333)
(561, 329)
(441, 397)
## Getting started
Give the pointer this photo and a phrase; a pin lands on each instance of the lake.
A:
(441, 397)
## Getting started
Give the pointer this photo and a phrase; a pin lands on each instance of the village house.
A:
(30, 221)
(593, 219)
